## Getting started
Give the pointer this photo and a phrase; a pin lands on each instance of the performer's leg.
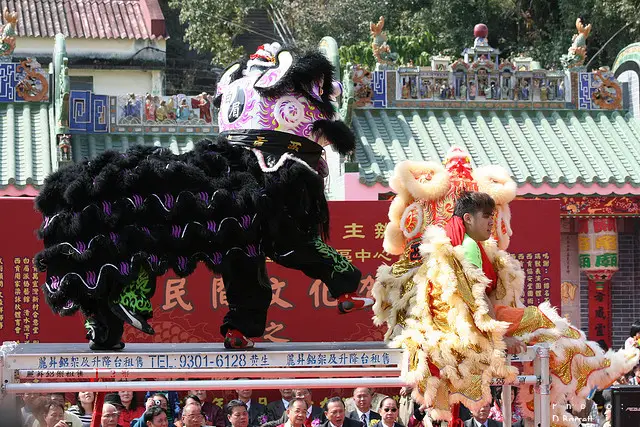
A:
(134, 303)
(104, 330)
(318, 260)
(248, 294)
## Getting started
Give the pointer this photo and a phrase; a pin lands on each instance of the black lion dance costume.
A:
(113, 224)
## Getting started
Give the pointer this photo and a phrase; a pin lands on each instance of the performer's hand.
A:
(514, 345)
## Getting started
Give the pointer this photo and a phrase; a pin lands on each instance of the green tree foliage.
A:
(419, 28)
(414, 49)
(212, 25)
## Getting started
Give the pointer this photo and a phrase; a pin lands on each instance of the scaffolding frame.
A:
(39, 368)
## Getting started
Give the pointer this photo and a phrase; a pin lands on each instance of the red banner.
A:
(191, 309)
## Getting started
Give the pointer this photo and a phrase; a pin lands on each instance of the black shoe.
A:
(132, 318)
(104, 335)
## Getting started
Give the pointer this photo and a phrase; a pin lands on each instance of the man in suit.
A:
(257, 412)
(277, 408)
(315, 415)
(362, 398)
(480, 418)
(335, 414)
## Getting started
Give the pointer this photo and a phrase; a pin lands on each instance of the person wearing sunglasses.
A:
(389, 411)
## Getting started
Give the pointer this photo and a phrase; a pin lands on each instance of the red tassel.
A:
(455, 416)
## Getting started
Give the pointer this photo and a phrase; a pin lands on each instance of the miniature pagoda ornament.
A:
(577, 53)
(8, 33)
(381, 50)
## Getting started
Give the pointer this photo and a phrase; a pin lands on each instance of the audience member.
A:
(362, 397)
(635, 379)
(131, 408)
(257, 412)
(296, 413)
(53, 414)
(157, 400)
(84, 407)
(480, 418)
(634, 336)
(192, 415)
(155, 417)
(214, 415)
(237, 413)
(389, 411)
(109, 416)
(59, 399)
(336, 417)
(173, 403)
(277, 408)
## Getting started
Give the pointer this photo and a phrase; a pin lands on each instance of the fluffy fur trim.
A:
(496, 182)
(396, 184)
(398, 205)
(503, 226)
(336, 133)
(423, 180)
(390, 296)
(510, 276)
(393, 242)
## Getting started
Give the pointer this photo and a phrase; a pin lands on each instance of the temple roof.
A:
(25, 147)
(89, 146)
(556, 150)
(91, 19)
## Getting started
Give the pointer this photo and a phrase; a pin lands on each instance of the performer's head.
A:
(476, 210)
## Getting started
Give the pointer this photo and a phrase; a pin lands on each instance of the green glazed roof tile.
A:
(536, 146)
(25, 149)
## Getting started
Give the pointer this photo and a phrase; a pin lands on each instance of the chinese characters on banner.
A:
(26, 307)
(537, 285)
(599, 312)
(192, 308)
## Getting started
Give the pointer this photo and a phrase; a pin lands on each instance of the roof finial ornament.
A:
(381, 50)
(8, 33)
(577, 53)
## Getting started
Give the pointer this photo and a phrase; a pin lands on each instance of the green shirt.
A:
(472, 251)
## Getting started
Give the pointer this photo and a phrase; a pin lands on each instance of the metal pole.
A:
(536, 392)
(506, 403)
(7, 401)
(255, 384)
(132, 374)
(545, 386)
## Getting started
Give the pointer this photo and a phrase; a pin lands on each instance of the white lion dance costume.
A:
(438, 305)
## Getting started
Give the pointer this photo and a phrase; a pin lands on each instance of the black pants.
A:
(249, 289)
